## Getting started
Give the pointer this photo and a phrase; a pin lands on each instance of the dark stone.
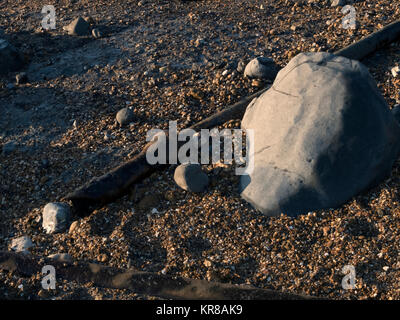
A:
(191, 178)
(125, 116)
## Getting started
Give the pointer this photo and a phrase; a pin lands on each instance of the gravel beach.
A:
(177, 61)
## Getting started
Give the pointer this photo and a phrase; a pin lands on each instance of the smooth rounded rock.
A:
(340, 3)
(191, 178)
(125, 116)
(240, 66)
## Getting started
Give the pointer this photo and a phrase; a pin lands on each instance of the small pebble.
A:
(56, 217)
(78, 27)
(74, 225)
(191, 178)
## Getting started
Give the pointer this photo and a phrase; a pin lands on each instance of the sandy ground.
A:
(214, 235)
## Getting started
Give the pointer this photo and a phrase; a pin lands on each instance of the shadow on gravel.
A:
(360, 226)
(145, 254)
(196, 245)
(247, 267)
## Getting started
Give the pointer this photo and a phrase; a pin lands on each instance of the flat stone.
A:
(323, 133)
(21, 244)
(125, 116)
(74, 225)
(56, 217)
(395, 71)
(191, 178)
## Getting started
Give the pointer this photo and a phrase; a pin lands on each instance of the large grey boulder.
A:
(125, 116)
(56, 217)
(323, 133)
(10, 59)
(191, 178)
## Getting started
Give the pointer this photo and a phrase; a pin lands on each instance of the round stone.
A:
(191, 178)
(125, 116)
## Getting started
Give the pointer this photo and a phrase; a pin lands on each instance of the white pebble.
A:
(395, 71)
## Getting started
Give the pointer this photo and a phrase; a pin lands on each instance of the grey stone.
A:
(191, 178)
(61, 257)
(322, 134)
(21, 244)
(261, 68)
(78, 27)
(9, 147)
(125, 116)
(56, 216)
(10, 59)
